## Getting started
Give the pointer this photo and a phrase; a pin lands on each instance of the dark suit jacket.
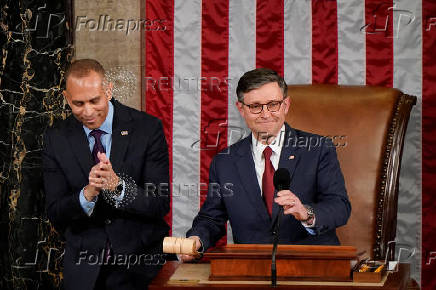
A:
(138, 227)
(234, 194)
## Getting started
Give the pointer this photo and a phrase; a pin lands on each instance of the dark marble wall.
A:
(35, 43)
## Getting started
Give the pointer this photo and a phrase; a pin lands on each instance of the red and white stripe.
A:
(159, 69)
(208, 45)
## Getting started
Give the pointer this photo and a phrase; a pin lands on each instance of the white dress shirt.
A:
(276, 145)
(257, 150)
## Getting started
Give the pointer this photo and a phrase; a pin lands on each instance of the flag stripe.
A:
(379, 48)
(242, 58)
(186, 114)
(428, 148)
(351, 42)
(269, 35)
(214, 90)
(159, 71)
(407, 50)
(324, 42)
(297, 42)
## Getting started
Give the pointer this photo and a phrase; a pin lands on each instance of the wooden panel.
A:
(298, 269)
(395, 281)
(294, 262)
(255, 251)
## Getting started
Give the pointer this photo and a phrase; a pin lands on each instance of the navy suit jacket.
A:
(136, 228)
(234, 194)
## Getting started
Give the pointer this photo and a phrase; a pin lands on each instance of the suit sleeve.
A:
(63, 205)
(210, 223)
(332, 207)
(152, 199)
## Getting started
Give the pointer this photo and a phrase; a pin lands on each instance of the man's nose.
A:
(265, 113)
(88, 110)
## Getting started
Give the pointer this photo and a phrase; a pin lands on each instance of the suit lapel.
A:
(247, 173)
(289, 158)
(122, 130)
(80, 145)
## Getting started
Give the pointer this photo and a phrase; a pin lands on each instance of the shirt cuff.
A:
(310, 228)
(88, 206)
(201, 249)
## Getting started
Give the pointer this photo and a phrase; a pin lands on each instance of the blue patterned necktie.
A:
(98, 146)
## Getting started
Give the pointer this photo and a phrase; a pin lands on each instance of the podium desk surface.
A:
(397, 280)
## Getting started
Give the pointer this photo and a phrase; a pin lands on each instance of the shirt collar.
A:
(107, 124)
(276, 145)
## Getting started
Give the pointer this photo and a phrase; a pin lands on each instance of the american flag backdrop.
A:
(192, 66)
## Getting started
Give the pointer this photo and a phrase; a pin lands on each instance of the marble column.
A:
(35, 42)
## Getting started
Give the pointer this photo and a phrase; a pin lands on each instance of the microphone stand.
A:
(282, 182)
(276, 227)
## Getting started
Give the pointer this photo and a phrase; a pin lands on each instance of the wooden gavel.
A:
(174, 245)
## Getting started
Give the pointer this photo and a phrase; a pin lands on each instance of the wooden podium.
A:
(298, 267)
(253, 262)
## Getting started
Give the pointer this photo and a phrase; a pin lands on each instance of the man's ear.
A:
(65, 94)
(287, 104)
(108, 90)
(240, 108)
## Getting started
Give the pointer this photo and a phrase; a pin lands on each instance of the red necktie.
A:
(267, 180)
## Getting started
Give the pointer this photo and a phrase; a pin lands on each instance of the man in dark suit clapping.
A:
(102, 166)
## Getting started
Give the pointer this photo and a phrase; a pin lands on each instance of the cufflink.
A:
(124, 133)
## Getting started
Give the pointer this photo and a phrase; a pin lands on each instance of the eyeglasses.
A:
(256, 108)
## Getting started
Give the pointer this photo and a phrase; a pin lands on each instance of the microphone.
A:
(282, 181)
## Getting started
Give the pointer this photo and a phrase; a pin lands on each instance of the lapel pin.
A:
(291, 157)
(124, 133)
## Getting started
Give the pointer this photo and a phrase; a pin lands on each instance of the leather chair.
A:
(367, 126)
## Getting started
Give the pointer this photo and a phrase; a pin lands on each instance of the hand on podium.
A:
(192, 257)
(187, 249)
